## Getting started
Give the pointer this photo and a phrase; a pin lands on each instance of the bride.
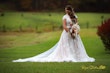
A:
(69, 48)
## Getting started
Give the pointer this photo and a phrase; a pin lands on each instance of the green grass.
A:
(14, 39)
(14, 20)
(92, 43)
(93, 19)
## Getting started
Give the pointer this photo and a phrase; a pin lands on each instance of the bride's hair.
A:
(71, 13)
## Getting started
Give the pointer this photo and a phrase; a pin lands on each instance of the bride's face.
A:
(67, 11)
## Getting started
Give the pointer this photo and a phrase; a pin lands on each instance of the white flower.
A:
(75, 28)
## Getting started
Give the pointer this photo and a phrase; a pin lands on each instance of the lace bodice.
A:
(68, 20)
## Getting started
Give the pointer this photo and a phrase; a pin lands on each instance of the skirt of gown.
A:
(66, 50)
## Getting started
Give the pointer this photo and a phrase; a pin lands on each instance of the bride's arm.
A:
(64, 25)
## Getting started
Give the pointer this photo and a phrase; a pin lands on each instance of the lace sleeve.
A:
(64, 17)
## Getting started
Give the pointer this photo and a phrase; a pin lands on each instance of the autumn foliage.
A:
(104, 33)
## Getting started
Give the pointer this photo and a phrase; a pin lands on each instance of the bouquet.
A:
(74, 30)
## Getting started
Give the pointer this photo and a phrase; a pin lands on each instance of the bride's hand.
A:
(71, 25)
(67, 29)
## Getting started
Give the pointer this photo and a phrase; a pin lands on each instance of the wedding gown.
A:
(66, 50)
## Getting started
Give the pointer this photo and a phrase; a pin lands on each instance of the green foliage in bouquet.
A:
(104, 33)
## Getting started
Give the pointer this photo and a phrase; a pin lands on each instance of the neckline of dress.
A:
(67, 15)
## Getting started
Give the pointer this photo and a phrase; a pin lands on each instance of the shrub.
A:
(104, 33)
(2, 14)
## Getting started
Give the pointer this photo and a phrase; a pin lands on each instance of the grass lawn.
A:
(14, 21)
(22, 45)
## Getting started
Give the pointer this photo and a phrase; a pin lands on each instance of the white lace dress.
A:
(66, 50)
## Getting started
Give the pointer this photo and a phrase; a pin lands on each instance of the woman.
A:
(68, 49)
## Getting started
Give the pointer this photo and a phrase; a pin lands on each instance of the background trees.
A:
(58, 5)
